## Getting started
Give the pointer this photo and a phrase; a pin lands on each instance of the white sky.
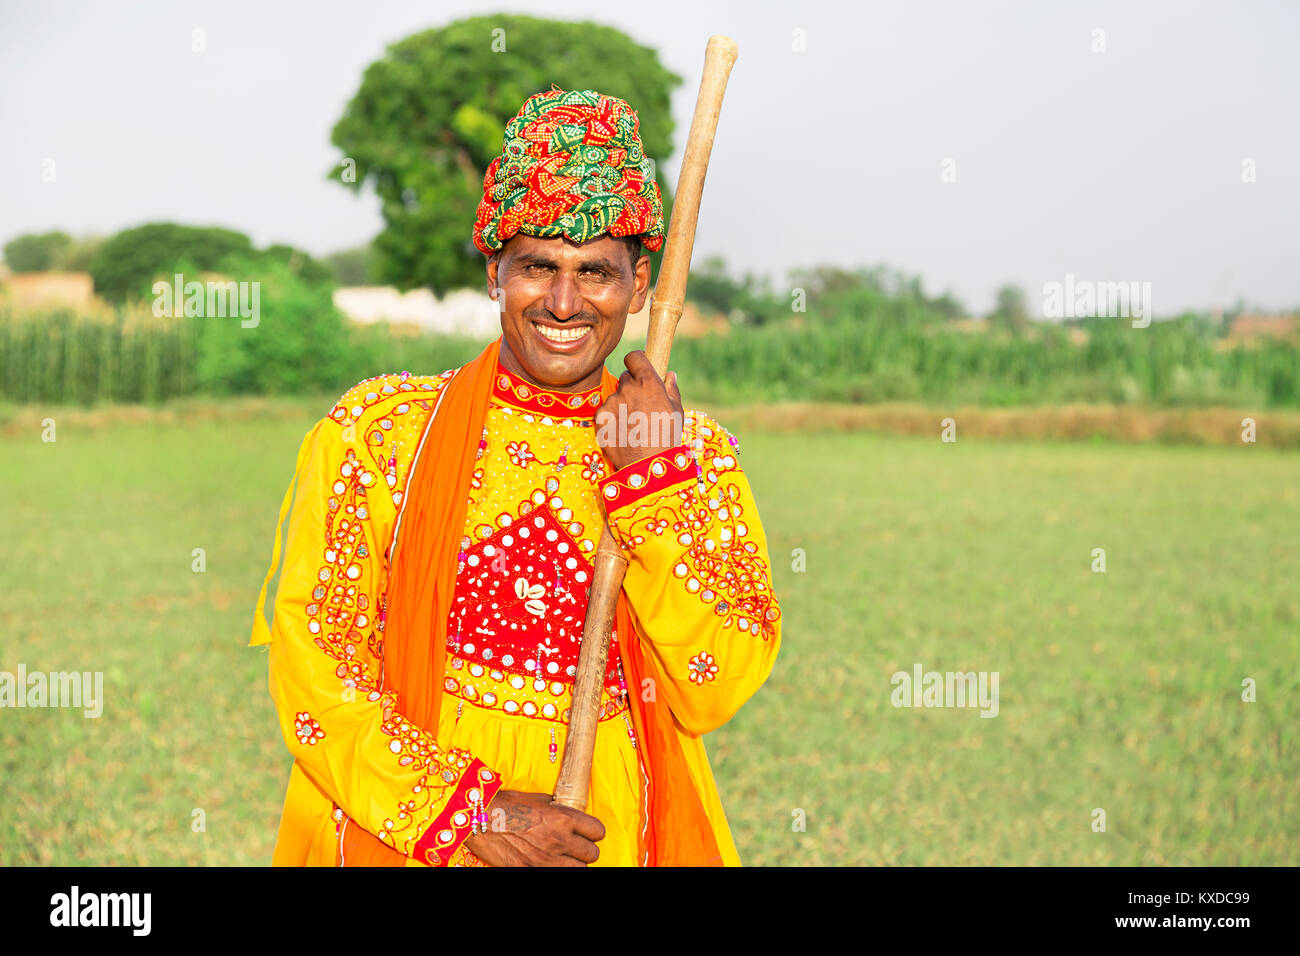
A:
(1122, 165)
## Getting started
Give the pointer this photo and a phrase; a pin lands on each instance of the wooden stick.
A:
(609, 563)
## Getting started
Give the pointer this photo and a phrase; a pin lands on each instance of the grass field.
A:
(1118, 690)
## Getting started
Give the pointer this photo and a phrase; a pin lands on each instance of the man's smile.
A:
(562, 338)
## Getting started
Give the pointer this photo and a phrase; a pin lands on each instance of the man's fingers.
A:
(586, 825)
(674, 392)
(572, 846)
(640, 366)
(568, 848)
(582, 850)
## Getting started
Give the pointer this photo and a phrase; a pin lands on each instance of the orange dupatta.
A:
(421, 586)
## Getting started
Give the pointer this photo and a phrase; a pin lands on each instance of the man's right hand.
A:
(536, 832)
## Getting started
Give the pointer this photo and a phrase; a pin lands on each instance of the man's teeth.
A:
(563, 335)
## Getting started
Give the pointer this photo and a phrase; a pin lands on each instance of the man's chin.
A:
(561, 373)
(558, 371)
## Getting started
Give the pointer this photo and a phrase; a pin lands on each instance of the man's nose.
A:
(563, 298)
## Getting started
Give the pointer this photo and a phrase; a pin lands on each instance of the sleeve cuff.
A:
(648, 477)
(441, 841)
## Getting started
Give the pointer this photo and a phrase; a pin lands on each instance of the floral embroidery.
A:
(702, 668)
(718, 562)
(382, 415)
(520, 595)
(443, 770)
(373, 391)
(345, 618)
(593, 467)
(520, 453)
(307, 730)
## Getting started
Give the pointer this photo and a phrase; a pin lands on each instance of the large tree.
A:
(130, 260)
(1010, 310)
(37, 252)
(429, 116)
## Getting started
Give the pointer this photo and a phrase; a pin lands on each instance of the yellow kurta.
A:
(698, 583)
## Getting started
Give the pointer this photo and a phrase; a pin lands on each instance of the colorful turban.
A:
(571, 165)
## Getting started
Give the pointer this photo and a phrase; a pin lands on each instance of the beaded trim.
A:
(513, 695)
(510, 388)
(662, 471)
(649, 475)
(464, 814)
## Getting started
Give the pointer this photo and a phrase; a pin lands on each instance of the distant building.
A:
(463, 312)
(1248, 328)
(37, 290)
(692, 325)
(472, 313)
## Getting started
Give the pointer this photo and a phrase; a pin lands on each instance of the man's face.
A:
(564, 306)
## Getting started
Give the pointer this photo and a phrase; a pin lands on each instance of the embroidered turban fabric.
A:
(571, 165)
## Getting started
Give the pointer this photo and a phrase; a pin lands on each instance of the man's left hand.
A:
(652, 421)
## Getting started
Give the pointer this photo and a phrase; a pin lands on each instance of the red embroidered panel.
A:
(521, 598)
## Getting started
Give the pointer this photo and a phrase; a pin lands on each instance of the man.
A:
(428, 617)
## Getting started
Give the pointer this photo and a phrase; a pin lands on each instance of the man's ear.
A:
(493, 261)
(641, 285)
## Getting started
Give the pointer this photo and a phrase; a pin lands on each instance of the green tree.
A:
(711, 287)
(355, 266)
(1010, 310)
(299, 343)
(948, 305)
(37, 252)
(825, 279)
(298, 262)
(78, 256)
(748, 300)
(128, 262)
(429, 116)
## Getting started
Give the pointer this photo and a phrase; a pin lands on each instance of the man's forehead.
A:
(562, 249)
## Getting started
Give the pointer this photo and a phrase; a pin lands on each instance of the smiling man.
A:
(429, 614)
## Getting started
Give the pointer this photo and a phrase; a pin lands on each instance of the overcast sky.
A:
(1125, 164)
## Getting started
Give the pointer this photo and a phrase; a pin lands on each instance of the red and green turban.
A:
(571, 165)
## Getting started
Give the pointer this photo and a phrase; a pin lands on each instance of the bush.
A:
(127, 263)
(297, 345)
(37, 252)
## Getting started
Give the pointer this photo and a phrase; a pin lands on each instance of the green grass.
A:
(1118, 690)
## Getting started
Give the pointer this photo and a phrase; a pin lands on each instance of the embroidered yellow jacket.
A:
(698, 581)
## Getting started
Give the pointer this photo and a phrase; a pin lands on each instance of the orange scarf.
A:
(421, 586)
